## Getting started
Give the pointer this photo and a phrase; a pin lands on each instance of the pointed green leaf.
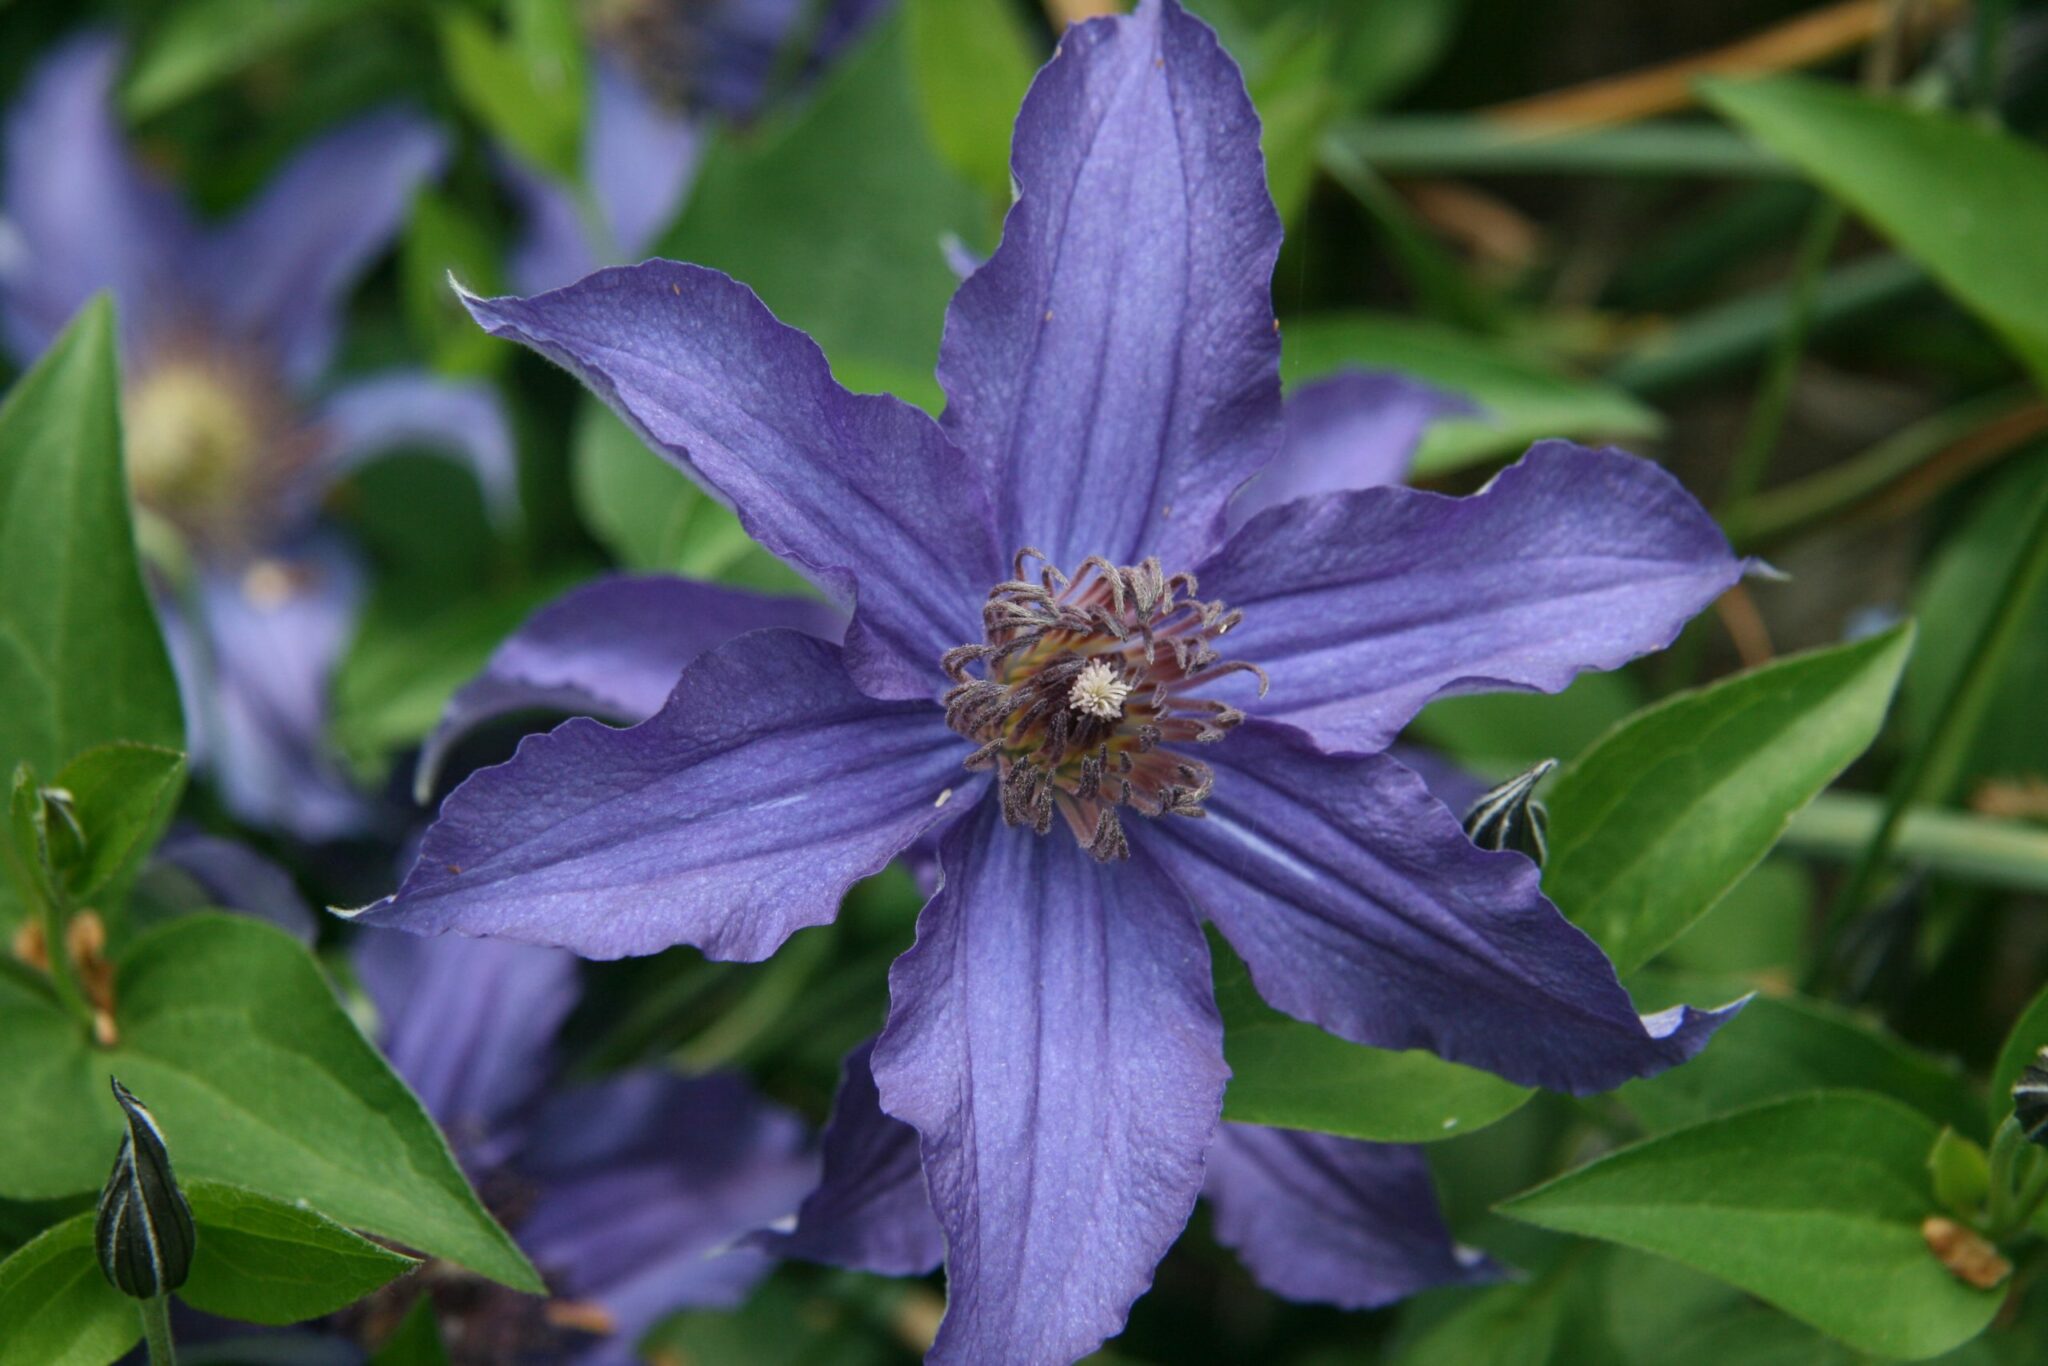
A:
(56, 1307)
(81, 662)
(1813, 1204)
(1650, 827)
(1964, 200)
(261, 1260)
(123, 796)
(416, 1341)
(258, 1078)
(1294, 1076)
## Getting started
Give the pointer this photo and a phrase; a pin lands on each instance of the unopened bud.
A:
(1509, 817)
(2030, 1099)
(144, 1234)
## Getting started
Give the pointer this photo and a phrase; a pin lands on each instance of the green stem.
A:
(1793, 507)
(1933, 768)
(54, 915)
(156, 1330)
(1767, 417)
(1980, 849)
(777, 986)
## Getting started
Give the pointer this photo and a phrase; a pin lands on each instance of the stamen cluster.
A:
(1083, 683)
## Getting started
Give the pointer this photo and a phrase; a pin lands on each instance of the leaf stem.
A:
(1958, 844)
(1932, 769)
(156, 1330)
(1773, 400)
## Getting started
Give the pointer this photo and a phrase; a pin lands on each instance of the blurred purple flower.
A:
(663, 74)
(1112, 375)
(631, 1194)
(226, 331)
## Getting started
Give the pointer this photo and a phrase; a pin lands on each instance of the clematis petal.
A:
(647, 1181)
(1053, 1039)
(278, 272)
(1114, 368)
(611, 648)
(861, 491)
(1363, 606)
(870, 1211)
(641, 159)
(412, 410)
(239, 879)
(258, 647)
(470, 1024)
(738, 814)
(76, 214)
(1352, 430)
(1360, 906)
(1326, 1220)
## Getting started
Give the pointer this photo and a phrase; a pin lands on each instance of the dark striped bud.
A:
(144, 1234)
(1509, 816)
(2030, 1099)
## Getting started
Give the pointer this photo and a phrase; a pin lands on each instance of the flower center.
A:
(189, 438)
(1085, 683)
(212, 446)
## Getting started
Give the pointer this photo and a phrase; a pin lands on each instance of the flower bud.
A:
(2030, 1099)
(1509, 817)
(144, 1234)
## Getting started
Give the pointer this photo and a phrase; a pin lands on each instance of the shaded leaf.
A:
(1295, 1076)
(1813, 1204)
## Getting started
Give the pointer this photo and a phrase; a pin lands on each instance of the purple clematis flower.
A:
(663, 74)
(1118, 716)
(226, 331)
(631, 1194)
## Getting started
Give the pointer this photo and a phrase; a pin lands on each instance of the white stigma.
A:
(1099, 692)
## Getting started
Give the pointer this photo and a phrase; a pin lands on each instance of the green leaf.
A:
(1650, 827)
(1954, 602)
(528, 97)
(1965, 200)
(650, 516)
(258, 1078)
(201, 42)
(1758, 929)
(1547, 1320)
(440, 240)
(1786, 1046)
(57, 1308)
(81, 662)
(405, 664)
(261, 1260)
(972, 62)
(2028, 1037)
(258, 1260)
(1961, 1174)
(123, 796)
(1813, 1204)
(1294, 1076)
(1523, 401)
(834, 214)
(416, 1341)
